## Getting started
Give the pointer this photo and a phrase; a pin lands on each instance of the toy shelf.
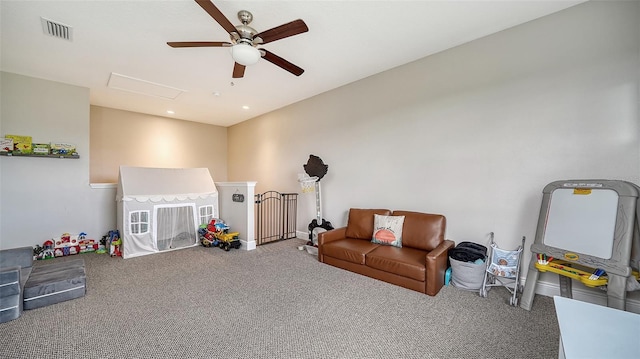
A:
(42, 156)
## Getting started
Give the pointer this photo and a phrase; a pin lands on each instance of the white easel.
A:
(593, 223)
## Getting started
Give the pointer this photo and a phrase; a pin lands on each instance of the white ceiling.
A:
(347, 41)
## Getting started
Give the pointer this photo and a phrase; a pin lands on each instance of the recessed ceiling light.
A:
(245, 107)
(171, 112)
(216, 94)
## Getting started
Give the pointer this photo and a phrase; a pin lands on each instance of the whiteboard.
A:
(582, 220)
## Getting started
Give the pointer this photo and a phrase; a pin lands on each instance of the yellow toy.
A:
(587, 276)
(228, 240)
(574, 271)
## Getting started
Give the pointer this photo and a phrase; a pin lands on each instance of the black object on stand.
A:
(316, 168)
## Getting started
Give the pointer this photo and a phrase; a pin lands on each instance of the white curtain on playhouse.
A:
(160, 209)
(175, 227)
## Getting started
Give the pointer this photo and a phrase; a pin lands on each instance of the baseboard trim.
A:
(590, 295)
(247, 245)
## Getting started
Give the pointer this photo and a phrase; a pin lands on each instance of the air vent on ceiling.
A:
(57, 29)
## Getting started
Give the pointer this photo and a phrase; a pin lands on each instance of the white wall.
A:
(473, 133)
(41, 198)
(239, 216)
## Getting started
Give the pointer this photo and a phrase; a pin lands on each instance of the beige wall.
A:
(126, 138)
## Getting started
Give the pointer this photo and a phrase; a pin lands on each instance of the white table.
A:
(594, 331)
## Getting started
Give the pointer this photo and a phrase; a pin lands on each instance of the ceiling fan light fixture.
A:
(245, 54)
(245, 39)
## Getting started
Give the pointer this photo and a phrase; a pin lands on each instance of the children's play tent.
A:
(160, 209)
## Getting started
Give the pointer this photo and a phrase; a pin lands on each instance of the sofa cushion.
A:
(58, 265)
(11, 307)
(360, 222)
(350, 250)
(422, 230)
(54, 282)
(9, 283)
(387, 230)
(407, 262)
(15, 267)
(16, 257)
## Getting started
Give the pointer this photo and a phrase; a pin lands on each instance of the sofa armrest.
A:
(437, 266)
(332, 235)
(329, 236)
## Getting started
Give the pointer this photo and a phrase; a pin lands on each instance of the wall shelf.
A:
(42, 156)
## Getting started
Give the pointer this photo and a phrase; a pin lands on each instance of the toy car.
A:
(228, 240)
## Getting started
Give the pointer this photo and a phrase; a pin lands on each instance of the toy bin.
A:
(467, 275)
(468, 264)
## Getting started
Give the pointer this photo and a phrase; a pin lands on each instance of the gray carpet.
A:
(273, 302)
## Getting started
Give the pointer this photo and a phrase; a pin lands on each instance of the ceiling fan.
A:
(245, 39)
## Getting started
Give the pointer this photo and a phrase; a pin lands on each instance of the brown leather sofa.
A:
(419, 265)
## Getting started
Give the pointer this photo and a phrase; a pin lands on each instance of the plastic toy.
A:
(44, 252)
(47, 253)
(66, 245)
(38, 252)
(207, 232)
(589, 223)
(87, 245)
(65, 239)
(207, 243)
(571, 270)
(102, 245)
(228, 240)
(216, 234)
(115, 242)
(115, 248)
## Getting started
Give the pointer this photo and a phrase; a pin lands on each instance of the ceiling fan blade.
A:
(199, 44)
(217, 15)
(279, 61)
(280, 32)
(238, 70)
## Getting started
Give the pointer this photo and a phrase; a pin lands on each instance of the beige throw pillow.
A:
(387, 230)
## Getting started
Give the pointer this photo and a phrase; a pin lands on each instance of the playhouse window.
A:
(139, 222)
(206, 214)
